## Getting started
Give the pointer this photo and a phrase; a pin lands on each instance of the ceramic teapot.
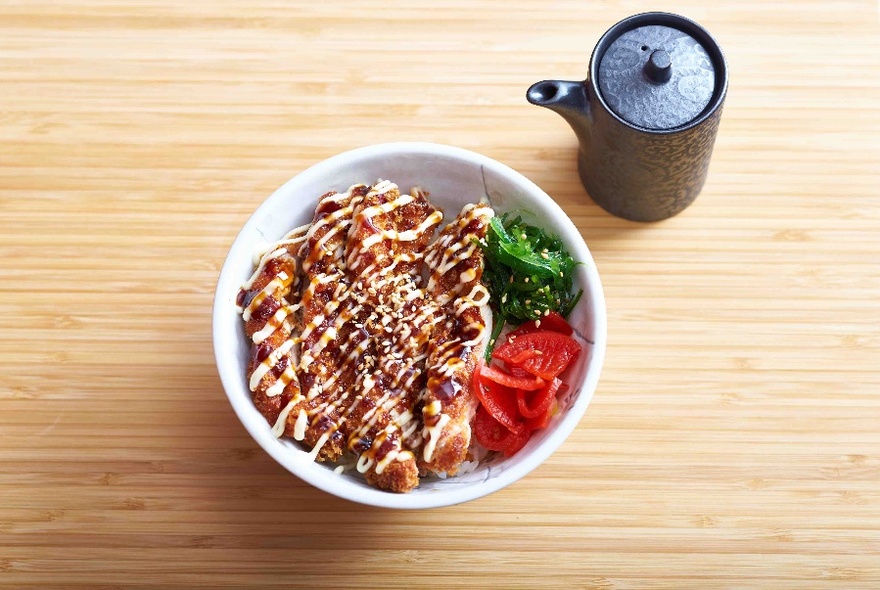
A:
(647, 115)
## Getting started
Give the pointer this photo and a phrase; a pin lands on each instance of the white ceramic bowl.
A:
(453, 177)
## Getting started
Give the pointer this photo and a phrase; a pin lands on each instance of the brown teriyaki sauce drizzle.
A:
(379, 342)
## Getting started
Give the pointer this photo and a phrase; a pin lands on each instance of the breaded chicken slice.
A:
(385, 251)
(269, 303)
(330, 344)
(457, 342)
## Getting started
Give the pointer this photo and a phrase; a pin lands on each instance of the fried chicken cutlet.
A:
(366, 334)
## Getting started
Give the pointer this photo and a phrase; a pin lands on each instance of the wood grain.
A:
(733, 441)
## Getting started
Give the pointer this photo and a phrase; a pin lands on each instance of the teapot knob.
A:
(658, 69)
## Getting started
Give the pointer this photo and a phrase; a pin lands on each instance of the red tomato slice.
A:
(489, 432)
(543, 420)
(524, 356)
(502, 378)
(498, 401)
(558, 350)
(517, 372)
(540, 401)
(516, 442)
(556, 323)
(493, 435)
(552, 322)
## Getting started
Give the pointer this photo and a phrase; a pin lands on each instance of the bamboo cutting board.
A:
(733, 441)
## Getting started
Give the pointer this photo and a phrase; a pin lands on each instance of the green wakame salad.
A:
(528, 274)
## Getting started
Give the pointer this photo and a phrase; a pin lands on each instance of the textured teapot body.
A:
(641, 175)
(632, 170)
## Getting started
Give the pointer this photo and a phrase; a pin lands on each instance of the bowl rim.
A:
(325, 479)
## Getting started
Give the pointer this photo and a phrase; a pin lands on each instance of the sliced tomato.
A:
(493, 435)
(552, 322)
(543, 420)
(516, 442)
(558, 350)
(512, 405)
(523, 399)
(498, 376)
(498, 401)
(540, 400)
(489, 432)
(524, 356)
(556, 323)
(517, 372)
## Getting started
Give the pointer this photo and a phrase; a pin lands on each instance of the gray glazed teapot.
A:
(647, 115)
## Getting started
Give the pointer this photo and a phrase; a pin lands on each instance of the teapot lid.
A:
(661, 75)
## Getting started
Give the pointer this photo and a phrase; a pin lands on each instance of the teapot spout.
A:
(569, 99)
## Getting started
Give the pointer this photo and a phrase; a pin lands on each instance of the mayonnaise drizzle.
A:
(273, 323)
(433, 435)
(322, 440)
(336, 313)
(401, 337)
(299, 428)
(291, 238)
(278, 427)
(452, 249)
(263, 368)
(283, 381)
(408, 314)
(279, 282)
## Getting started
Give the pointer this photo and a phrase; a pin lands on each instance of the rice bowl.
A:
(454, 177)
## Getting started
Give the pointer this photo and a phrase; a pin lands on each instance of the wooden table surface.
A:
(734, 438)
